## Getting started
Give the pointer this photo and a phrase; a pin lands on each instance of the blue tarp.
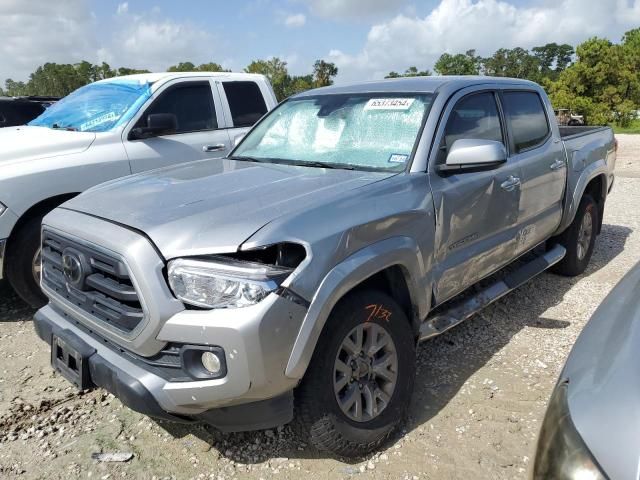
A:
(97, 107)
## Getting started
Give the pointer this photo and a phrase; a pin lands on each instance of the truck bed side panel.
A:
(589, 155)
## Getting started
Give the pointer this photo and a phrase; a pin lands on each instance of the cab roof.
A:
(416, 84)
(165, 76)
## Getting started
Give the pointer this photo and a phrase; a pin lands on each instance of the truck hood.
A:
(33, 143)
(213, 206)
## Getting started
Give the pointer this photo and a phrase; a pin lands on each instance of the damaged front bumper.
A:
(143, 387)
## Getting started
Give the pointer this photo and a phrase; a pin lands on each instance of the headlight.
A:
(2, 208)
(222, 282)
(562, 453)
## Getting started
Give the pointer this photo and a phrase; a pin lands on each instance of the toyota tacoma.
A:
(295, 277)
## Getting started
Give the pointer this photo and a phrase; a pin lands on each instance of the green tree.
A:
(297, 84)
(54, 79)
(323, 73)
(409, 72)
(14, 89)
(212, 67)
(603, 83)
(276, 71)
(130, 71)
(190, 67)
(182, 67)
(459, 64)
(553, 59)
(516, 63)
(59, 79)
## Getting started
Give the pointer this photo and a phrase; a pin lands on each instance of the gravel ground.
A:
(481, 390)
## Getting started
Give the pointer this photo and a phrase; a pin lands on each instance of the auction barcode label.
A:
(389, 104)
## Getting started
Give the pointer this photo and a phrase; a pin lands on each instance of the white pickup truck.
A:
(110, 129)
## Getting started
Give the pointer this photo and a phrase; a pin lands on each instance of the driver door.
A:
(197, 136)
(476, 210)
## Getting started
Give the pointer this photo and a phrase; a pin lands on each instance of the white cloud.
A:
(353, 9)
(486, 25)
(123, 8)
(42, 31)
(295, 20)
(65, 31)
(154, 42)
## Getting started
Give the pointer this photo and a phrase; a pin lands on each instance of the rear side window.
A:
(526, 116)
(192, 104)
(474, 117)
(9, 114)
(27, 111)
(245, 101)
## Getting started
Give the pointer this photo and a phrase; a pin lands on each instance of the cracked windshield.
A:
(364, 132)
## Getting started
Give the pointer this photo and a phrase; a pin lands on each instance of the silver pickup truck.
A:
(299, 273)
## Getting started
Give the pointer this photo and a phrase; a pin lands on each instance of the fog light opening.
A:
(211, 362)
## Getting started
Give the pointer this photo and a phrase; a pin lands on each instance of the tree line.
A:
(598, 79)
(58, 80)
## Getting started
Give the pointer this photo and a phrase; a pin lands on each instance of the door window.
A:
(191, 103)
(474, 117)
(245, 102)
(528, 122)
(28, 111)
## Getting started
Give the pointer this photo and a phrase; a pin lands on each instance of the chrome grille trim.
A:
(145, 266)
(108, 294)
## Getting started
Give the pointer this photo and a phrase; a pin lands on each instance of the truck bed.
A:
(567, 132)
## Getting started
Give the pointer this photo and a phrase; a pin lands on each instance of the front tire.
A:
(579, 239)
(358, 386)
(23, 263)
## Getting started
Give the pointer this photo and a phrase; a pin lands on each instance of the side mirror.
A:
(157, 124)
(474, 154)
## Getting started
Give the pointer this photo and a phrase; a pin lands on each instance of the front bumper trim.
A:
(128, 383)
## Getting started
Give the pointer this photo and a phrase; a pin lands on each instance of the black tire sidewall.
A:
(349, 313)
(20, 253)
(571, 265)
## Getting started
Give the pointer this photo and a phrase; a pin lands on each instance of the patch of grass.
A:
(634, 127)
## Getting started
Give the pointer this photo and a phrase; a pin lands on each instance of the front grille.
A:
(104, 292)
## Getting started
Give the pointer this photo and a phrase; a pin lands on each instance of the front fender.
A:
(401, 251)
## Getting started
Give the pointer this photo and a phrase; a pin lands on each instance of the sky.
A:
(364, 38)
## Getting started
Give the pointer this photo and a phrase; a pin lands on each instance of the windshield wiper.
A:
(317, 164)
(297, 163)
(69, 128)
(250, 159)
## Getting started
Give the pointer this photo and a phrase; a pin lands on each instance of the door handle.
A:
(214, 148)
(557, 165)
(510, 183)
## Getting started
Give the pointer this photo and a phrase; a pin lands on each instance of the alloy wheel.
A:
(365, 372)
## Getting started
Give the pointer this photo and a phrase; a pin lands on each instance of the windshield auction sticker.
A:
(107, 117)
(398, 158)
(389, 104)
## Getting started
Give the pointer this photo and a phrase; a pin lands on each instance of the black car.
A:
(21, 110)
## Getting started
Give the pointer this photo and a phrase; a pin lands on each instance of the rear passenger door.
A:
(245, 105)
(199, 117)
(541, 160)
(476, 211)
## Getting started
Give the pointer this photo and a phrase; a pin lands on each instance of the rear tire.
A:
(381, 383)
(22, 251)
(579, 239)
